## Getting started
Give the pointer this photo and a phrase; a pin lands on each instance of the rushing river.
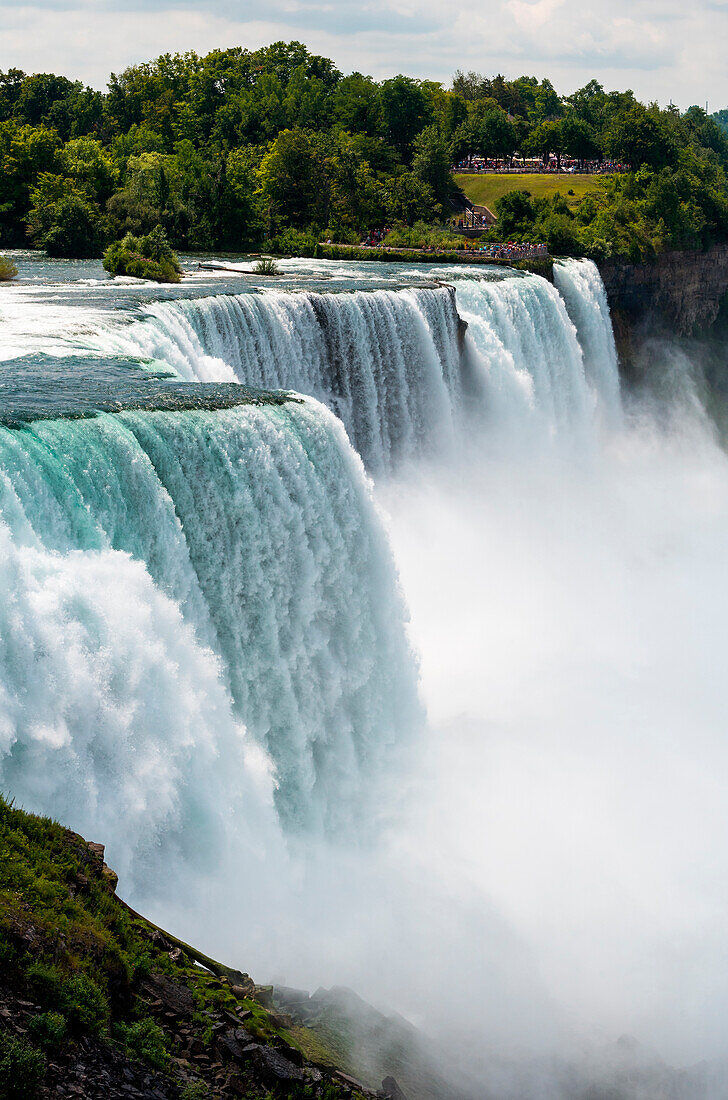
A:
(378, 634)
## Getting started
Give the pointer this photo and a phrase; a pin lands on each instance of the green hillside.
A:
(483, 190)
(97, 1002)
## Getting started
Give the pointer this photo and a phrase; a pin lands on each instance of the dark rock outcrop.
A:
(682, 292)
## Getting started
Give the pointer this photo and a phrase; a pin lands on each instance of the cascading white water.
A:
(386, 362)
(257, 526)
(529, 358)
(189, 589)
(580, 285)
(390, 363)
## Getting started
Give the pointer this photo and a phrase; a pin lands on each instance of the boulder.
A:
(391, 1090)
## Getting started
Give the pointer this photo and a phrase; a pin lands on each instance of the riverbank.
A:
(538, 264)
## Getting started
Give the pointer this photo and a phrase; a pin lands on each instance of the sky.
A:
(664, 50)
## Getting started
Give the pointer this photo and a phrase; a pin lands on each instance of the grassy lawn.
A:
(485, 189)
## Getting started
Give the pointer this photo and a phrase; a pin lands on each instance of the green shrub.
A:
(266, 266)
(294, 242)
(195, 1090)
(342, 234)
(421, 235)
(8, 270)
(22, 1069)
(84, 1003)
(149, 257)
(46, 983)
(48, 1030)
(146, 1041)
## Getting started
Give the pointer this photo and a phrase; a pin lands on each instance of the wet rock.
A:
(391, 1090)
(273, 1066)
(171, 996)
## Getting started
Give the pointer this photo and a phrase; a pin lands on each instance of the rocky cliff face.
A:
(682, 292)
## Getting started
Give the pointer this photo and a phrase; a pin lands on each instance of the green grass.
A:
(485, 189)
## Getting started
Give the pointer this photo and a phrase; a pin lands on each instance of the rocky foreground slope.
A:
(95, 1001)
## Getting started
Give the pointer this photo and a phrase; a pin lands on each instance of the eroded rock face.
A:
(680, 291)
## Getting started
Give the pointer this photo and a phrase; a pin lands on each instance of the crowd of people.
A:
(538, 167)
(512, 251)
(374, 237)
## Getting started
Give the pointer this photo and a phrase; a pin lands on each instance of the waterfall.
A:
(528, 354)
(390, 364)
(386, 362)
(580, 285)
(247, 537)
(395, 366)
(172, 576)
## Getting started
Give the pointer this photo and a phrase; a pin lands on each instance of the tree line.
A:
(277, 147)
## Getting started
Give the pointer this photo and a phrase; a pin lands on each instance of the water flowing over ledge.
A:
(263, 592)
(256, 526)
(395, 366)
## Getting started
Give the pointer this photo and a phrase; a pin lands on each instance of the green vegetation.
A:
(148, 257)
(486, 189)
(146, 1041)
(8, 270)
(22, 1069)
(266, 266)
(275, 149)
(422, 235)
(78, 964)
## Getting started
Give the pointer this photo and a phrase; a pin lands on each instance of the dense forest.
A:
(277, 148)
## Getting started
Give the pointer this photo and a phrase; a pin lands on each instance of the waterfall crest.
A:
(246, 533)
(393, 365)
(386, 362)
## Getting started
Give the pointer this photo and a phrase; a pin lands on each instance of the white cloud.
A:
(530, 14)
(657, 47)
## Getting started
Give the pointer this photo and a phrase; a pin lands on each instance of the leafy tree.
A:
(357, 196)
(11, 83)
(578, 139)
(431, 162)
(85, 160)
(409, 199)
(283, 58)
(293, 181)
(516, 214)
(240, 222)
(305, 102)
(497, 134)
(454, 114)
(25, 153)
(262, 110)
(356, 106)
(406, 111)
(719, 117)
(705, 133)
(547, 138)
(639, 136)
(62, 219)
(467, 139)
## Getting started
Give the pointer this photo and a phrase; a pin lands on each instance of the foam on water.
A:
(256, 525)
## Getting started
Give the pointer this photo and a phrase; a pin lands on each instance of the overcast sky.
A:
(663, 49)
